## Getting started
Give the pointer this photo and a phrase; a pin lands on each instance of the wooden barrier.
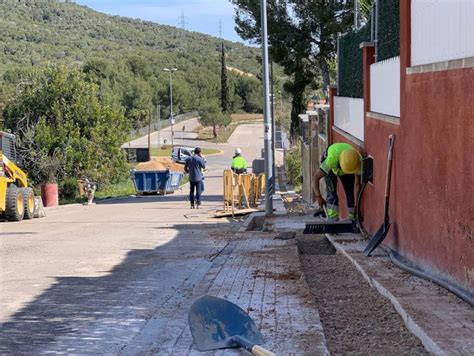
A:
(242, 190)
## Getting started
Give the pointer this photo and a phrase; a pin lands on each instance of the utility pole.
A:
(171, 71)
(266, 113)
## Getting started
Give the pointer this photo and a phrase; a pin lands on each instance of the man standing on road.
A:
(194, 166)
(343, 161)
(239, 164)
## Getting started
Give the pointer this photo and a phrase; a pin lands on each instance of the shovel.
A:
(377, 239)
(216, 323)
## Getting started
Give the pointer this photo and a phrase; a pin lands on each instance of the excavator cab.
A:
(17, 200)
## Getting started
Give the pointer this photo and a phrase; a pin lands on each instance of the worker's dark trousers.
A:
(195, 186)
(347, 181)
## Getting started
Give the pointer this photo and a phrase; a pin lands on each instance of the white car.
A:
(181, 153)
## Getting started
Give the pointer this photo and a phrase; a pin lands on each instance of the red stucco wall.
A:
(434, 173)
(432, 195)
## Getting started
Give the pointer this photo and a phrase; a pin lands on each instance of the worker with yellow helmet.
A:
(339, 160)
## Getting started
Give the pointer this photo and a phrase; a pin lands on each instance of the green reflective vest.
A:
(331, 161)
(239, 163)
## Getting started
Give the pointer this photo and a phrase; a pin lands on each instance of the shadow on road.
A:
(84, 315)
(157, 199)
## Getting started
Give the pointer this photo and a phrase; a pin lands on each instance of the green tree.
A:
(302, 38)
(224, 87)
(65, 129)
(250, 91)
(212, 116)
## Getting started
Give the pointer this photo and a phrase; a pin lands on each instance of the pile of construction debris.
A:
(160, 164)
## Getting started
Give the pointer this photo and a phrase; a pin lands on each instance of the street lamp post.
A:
(266, 114)
(171, 71)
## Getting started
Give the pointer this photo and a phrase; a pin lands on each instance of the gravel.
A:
(355, 318)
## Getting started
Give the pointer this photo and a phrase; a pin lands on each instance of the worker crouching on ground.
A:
(239, 164)
(343, 161)
(194, 166)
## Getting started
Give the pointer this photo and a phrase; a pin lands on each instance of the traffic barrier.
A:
(242, 189)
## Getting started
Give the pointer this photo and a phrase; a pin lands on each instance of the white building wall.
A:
(385, 87)
(349, 115)
(441, 30)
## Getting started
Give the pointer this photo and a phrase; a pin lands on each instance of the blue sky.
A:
(200, 15)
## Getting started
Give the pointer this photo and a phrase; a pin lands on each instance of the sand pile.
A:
(160, 164)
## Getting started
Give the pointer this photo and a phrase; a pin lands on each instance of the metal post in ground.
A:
(158, 115)
(171, 71)
(266, 113)
(149, 134)
(272, 109)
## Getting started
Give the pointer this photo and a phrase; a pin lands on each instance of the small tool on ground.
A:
(377, 239)
(329, 227)
(325, 227)
(216, 323)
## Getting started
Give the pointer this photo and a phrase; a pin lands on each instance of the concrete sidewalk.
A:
(262, 276)
(443, 322)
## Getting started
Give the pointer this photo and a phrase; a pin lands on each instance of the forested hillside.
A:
(125, 57)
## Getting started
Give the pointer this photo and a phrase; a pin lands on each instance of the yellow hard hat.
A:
(349, 160)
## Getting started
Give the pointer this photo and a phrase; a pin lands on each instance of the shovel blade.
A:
(377, 239)
(215, 321)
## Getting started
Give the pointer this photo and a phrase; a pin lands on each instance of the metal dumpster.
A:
(156, 182)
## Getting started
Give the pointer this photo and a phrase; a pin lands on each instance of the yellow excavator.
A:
(17, 199)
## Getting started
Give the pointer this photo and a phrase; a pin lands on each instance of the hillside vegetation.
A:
(75, 82)
(125, 56)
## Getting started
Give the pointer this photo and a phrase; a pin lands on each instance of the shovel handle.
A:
(250, 346)
(388, 179)
(260, 351)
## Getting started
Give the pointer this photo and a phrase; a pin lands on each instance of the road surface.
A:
(87, 279)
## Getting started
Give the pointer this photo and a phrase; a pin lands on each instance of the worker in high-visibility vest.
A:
(339, 160)
(239, 164)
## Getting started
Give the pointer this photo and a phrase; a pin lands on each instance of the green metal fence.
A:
(350, 70)
(388, 29)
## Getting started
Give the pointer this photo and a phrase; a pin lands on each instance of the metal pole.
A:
(171, 108)
(272, 95)
(158, 115)
(356, 14)
(266, 113)
(149, 134)
(376, 30)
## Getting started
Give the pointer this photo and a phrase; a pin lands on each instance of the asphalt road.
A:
(181, 137)
(86, 279)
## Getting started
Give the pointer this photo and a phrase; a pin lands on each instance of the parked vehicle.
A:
(181, 153)
(17, 200)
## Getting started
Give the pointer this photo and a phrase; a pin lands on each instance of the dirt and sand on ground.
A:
(296, 206)
(355, 317)
(160, 164)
